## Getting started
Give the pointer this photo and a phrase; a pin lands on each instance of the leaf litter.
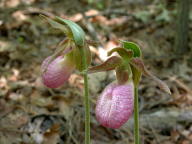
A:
(26, 40)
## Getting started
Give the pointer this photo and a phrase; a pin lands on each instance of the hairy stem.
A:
(136, 117)
(86, 100)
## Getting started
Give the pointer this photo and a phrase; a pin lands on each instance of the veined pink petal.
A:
(115, 105)
(57, 72)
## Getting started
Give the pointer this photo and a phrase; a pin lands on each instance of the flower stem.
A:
(86, 100)
(87, 110)
(136, 116)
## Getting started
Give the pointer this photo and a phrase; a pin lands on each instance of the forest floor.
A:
(29, 111)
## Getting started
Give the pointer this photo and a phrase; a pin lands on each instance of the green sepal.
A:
(125, 54)
(71, 29)
(79, 54)
(136, 76)
(81, 49)
(132, 46)
(77, 57)
(77, 31)
(88, 54)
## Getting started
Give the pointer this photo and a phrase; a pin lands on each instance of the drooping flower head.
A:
(69, 54)
(115, 105)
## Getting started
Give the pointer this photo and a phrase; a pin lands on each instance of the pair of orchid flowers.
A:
(115, 105)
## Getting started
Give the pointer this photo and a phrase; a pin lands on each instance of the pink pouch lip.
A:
(57, 72)
(115, 105)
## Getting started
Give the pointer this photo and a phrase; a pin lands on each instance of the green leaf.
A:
(132, 46)
(144, 16)
(77, 32)
(164, 16)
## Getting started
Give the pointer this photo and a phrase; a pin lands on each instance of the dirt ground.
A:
(29, 111)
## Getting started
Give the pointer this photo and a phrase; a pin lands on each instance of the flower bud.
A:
(57, 72)
(115, 105)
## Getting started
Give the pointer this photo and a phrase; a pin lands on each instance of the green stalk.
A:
(87, 110)
(136, 117)
(86, 100)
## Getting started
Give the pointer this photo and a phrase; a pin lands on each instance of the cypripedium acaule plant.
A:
(71, 54)
(118, 100)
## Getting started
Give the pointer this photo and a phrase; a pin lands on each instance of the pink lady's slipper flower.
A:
(57, 72)
(115, 105)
